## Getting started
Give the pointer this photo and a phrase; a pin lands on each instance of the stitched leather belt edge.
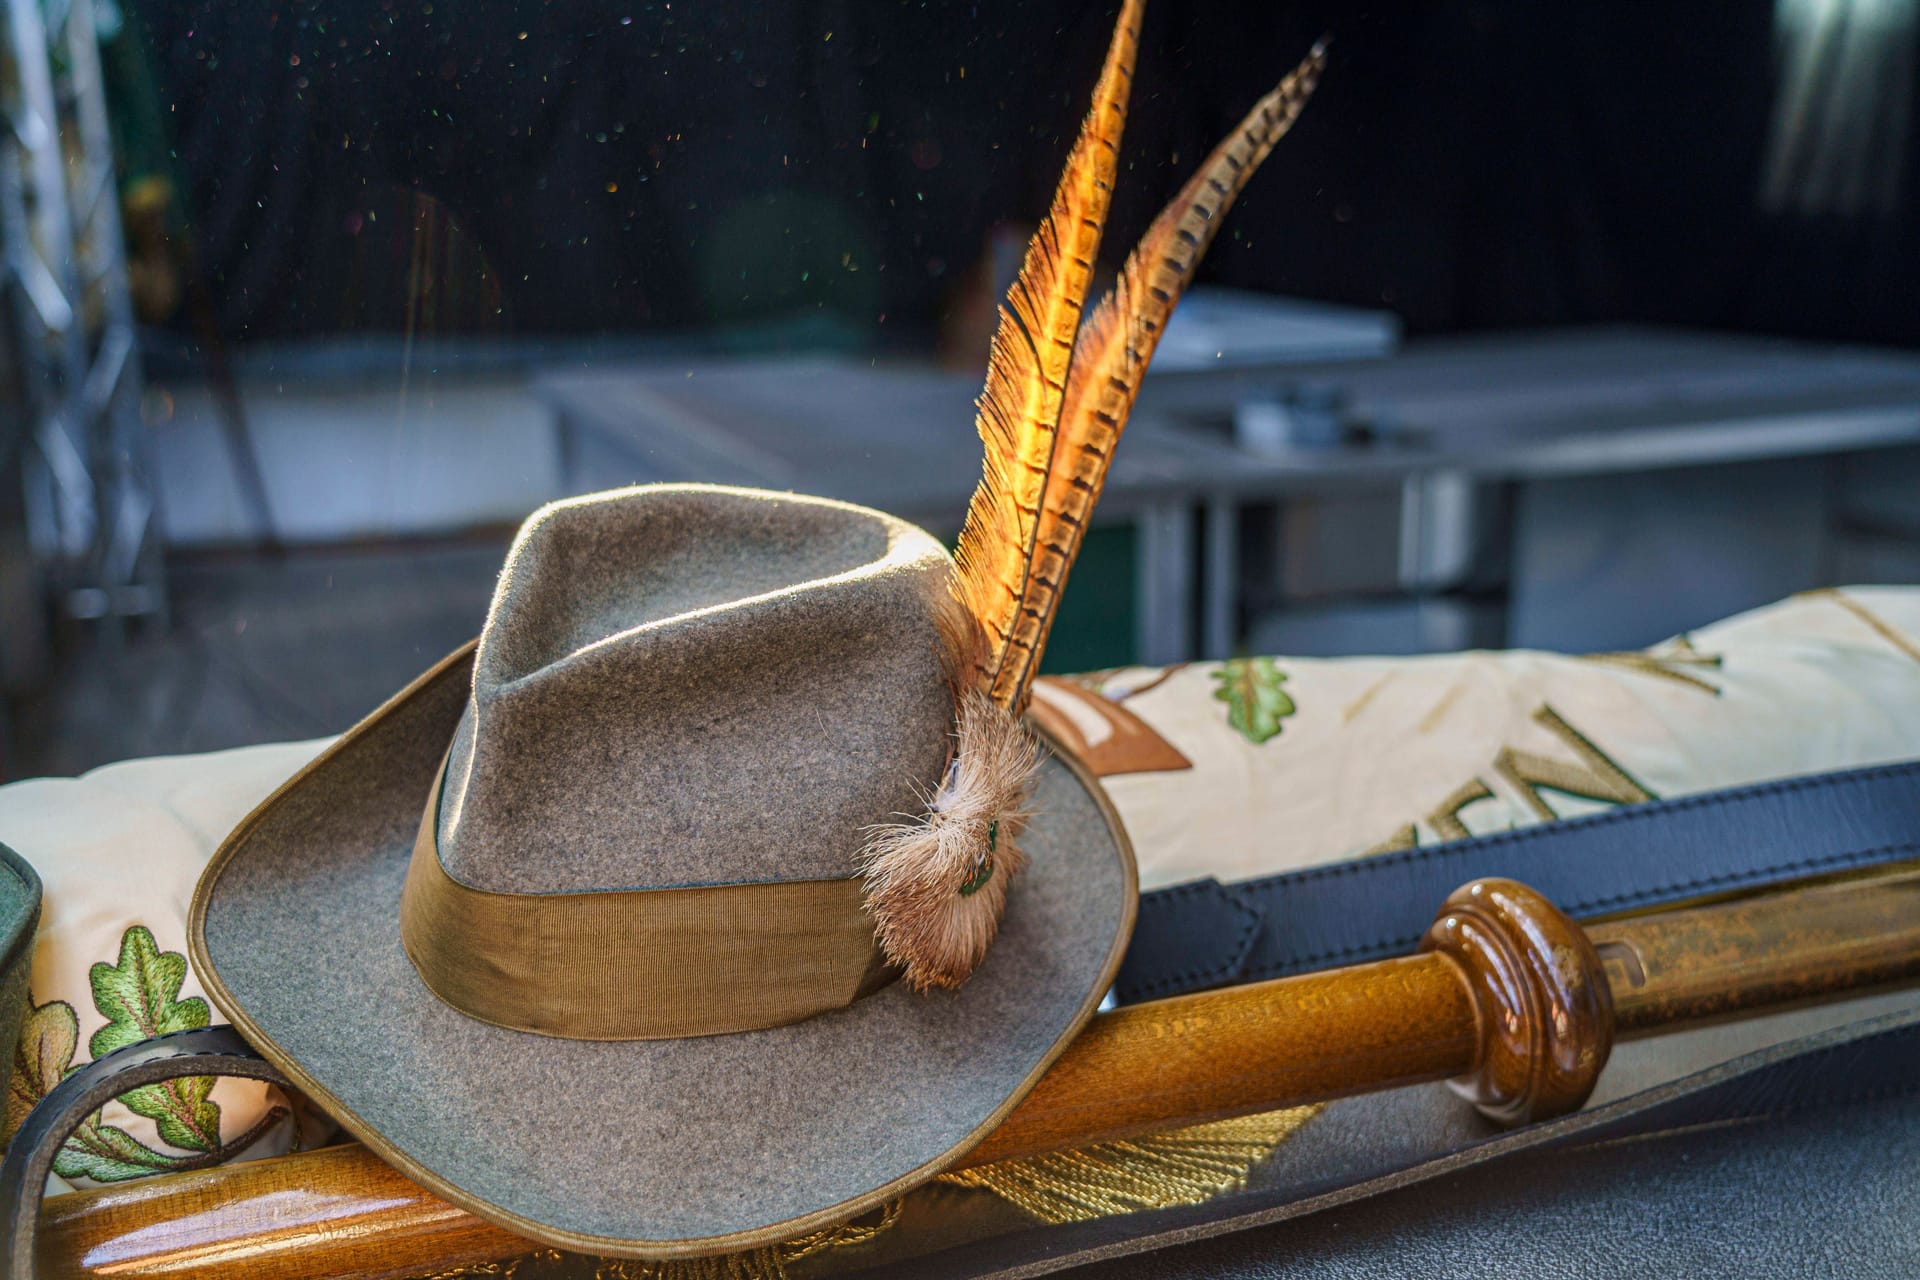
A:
(1204, 933)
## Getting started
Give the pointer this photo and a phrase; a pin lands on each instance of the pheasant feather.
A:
(1019, 411)
(1120, 335)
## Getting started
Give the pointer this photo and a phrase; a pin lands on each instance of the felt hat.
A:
(571, 929)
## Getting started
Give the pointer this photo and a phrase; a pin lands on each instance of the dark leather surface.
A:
(209, 1051)
(1370, 1147)
(1205, 934)
(1829, 1192)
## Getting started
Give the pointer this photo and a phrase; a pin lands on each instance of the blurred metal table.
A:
(1436, 426)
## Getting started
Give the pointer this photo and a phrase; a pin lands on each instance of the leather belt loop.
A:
(204, 1051)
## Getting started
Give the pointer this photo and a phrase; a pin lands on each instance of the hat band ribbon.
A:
(637, 964)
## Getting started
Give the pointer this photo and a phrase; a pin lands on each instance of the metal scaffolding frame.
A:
(69, 329)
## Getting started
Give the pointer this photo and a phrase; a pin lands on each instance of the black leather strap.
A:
(210, 1051)
(1206, 934)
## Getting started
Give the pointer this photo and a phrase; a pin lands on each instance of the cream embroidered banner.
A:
(1255, 766)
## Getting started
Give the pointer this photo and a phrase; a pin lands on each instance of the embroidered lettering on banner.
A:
(1577, 768)
(1676, 660)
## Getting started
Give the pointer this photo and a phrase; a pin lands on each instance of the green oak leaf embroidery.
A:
(1256, 704)
(108, 1153)
(140, 999)
(48, 1038)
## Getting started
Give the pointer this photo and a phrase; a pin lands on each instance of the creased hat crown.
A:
(688, 685)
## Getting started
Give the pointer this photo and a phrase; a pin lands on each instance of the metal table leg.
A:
(1164, 587)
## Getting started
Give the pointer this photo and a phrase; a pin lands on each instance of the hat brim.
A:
(663, 1148)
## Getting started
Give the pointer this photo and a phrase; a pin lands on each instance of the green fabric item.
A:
(19, 915)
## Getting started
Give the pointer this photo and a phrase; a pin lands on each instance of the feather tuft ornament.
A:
(936, 886)
(1056, 400)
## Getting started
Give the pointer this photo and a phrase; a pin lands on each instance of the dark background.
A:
(423, 165)
(350, 222)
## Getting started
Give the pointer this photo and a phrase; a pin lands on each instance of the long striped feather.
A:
(1027, 368)
(1118, 339)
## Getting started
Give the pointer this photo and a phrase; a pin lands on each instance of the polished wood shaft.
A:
(1760, 953)
(1200, 1057)
(1509, 999)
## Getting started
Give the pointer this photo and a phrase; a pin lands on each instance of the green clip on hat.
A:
(718, 893)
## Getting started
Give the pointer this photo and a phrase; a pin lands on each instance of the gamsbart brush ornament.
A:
(1057, 397)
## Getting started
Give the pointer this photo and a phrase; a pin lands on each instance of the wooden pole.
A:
(1509, 999)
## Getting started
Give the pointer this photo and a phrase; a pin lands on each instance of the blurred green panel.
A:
(1095, 627)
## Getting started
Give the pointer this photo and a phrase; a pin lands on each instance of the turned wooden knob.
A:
(1545, 1010)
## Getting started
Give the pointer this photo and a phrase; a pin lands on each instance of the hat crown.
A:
(689, 685)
